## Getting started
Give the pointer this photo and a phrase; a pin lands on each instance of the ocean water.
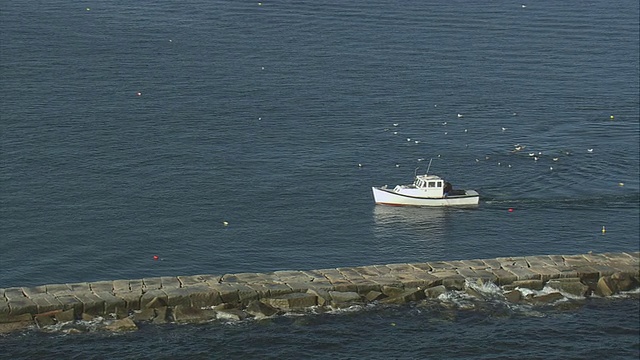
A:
(129, 130)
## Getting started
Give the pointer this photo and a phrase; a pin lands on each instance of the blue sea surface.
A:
(134, 129)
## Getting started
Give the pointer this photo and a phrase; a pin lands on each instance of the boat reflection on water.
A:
(411, 232)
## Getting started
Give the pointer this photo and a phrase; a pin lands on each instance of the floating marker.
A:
(139, 93)
(603, 229)
(225, 223)
(510, 209)
(621, 184)
(155, 257)
(611, 117)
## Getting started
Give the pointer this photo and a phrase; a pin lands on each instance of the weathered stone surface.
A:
(260, 310)
(416, 279)
(86, 317)
(518, 261)
(131, 298)
(43, 320)
(15, 326)
(455, 282)
(30, 292)
(179, 296)
(149, 284)
(191, 280)
(374, 296)
(323, 297)
(546, 272)
(245, 293)
(170, 282)
(70, 302)
(527, 284)
(624, 281)
(153, 298)
(122, 325)
(369, 271)
(231, 314)
(409, 295)
(435, 291)
(513, 296)
(203, 295)
(58, 289)
(101, 286)
(546, 299)
(391, 291)
(46, 302)
(503, 276)
(227, 292)
(438, 266)
(161, 315)
(122, 286)
(187, 314)
(571, 286)
(606, 287)
(91, 304)
(341, 299)
(333, 275)
(385, 280)
(540, 261)
(292, 301)
(65, 316)
(474, 293)
(143, 315)
(79, 287)
(112, 303)
(21, 305)
(345, 286)
(4, 310)
(320, 285)
(522, 273)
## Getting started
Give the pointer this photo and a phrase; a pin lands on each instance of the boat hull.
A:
(384, 196)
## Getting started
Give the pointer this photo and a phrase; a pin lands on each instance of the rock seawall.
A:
(200, 298)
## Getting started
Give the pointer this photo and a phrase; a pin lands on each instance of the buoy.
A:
(225, 223)
(88, 9)
(510, 209)
(139, 93)
(155, 257)
(611, 117)
(603, 229)
(621, 184)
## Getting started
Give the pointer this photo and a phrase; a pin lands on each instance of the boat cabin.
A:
(430, 186)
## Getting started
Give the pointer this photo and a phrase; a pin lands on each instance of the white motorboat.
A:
(426, 190)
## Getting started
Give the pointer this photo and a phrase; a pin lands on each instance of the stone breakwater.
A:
(199, 298)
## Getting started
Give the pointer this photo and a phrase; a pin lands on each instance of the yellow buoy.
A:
(611, 117)
(620, 184)
(603, 229)
(225, 223)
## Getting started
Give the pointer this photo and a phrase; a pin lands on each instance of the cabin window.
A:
(439, 183)
(432, 184)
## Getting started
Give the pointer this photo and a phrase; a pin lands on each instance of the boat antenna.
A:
(429, 167)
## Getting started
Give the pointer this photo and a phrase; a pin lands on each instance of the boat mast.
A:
(429, 167)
